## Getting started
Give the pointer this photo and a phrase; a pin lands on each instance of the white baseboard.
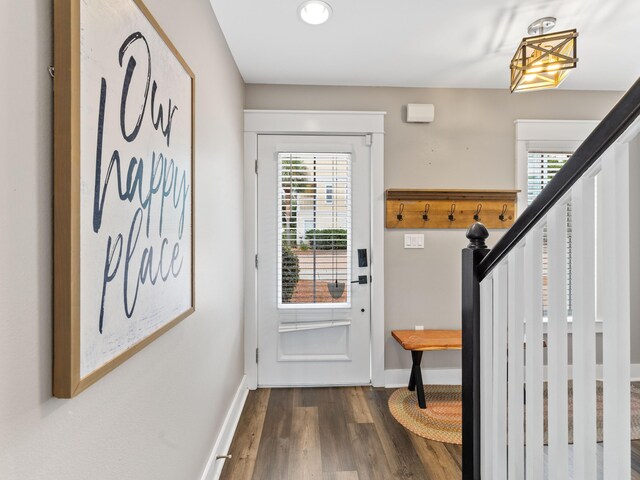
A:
(442, 376)
(213, 468)
(453, 376)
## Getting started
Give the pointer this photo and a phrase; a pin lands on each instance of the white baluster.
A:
(583, 329)
(614, 305)
(499, 414)
(557, 343)
(516, 363)
(486, 375)
(534, 339)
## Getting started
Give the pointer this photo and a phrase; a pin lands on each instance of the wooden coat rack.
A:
(450, 208)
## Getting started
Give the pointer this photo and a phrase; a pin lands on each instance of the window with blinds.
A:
(314, 229)
(542, 166)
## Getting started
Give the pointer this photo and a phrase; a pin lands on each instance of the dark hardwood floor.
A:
(332, 434)
(635, 459)
(340, 434)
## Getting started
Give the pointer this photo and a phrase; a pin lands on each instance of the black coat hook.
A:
(476, 215)
(451, 212)
(425, 214)
(400, 210)
(504, 210)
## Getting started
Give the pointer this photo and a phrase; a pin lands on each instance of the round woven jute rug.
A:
(440, 421)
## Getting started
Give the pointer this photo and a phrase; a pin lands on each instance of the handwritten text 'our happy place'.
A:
(152, 182)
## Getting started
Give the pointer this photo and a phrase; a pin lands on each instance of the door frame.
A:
(309, 122)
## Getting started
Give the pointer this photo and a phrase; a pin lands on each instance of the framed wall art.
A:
(123, 187)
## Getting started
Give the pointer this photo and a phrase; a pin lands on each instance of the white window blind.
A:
(542, 167)
(314, 229)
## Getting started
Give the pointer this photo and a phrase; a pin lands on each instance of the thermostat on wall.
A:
(420, 112)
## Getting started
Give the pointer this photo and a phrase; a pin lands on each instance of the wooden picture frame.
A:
(90, 340)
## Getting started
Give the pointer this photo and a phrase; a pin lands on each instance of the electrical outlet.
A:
(419, 327)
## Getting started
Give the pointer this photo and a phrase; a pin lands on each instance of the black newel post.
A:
(471, 257)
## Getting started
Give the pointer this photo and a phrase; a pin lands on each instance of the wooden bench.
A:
(418, 341)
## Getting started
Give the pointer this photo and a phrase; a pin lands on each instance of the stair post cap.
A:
(477, 234)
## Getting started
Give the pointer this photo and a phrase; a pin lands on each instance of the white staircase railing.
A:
(521, 353)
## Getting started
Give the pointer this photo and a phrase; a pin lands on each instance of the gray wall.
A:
(634, 227)
(156, 416)
(471, 144)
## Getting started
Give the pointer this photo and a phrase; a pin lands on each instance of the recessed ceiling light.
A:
(314, 12)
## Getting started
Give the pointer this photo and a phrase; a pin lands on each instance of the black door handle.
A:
(362, 280)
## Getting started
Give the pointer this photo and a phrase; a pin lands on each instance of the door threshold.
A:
(310, 385)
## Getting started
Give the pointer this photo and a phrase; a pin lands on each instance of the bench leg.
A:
(415, 380)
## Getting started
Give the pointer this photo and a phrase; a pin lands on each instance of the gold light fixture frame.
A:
(543, 61)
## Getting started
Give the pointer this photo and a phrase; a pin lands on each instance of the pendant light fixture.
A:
(544, 59)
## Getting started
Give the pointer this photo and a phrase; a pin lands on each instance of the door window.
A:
(314, 230)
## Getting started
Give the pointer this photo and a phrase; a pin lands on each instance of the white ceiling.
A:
(425, 43)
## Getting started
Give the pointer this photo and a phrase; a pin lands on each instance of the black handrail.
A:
(607, 131)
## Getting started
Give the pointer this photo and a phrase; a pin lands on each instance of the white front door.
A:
(314, 236)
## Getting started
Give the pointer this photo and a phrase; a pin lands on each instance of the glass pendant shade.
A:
(543, 61)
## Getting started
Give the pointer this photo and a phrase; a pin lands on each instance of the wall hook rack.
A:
(452, 210)
(476, 215)
(502, 216)
(425, 214)
(446, 209)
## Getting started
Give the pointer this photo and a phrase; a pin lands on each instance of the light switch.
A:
(413, 240)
